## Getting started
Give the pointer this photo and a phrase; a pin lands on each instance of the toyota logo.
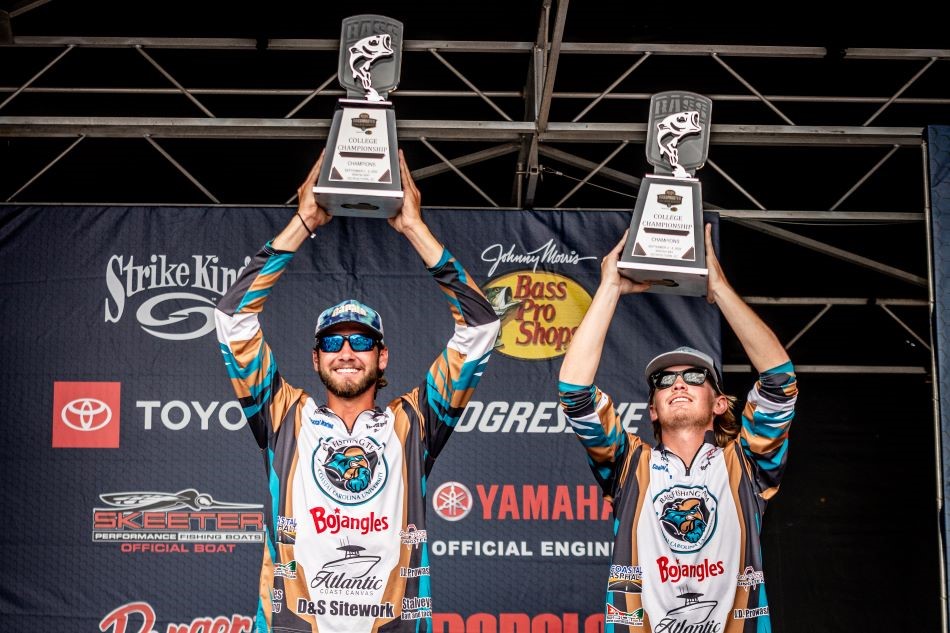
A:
(86, 414)
(452, 501)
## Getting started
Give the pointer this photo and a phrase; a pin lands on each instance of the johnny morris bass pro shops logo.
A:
(350, 471)
(687, 515)
(539, 313)
(539, 310)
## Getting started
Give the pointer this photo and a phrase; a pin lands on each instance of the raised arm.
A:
(591, 412)
(250, 362)
(759, 342)
(770, 405)
(453, 376)
(583, 356)
(409, 219)
(309, 217)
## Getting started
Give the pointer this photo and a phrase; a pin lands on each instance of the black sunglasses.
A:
(692, 376)
(333, 343)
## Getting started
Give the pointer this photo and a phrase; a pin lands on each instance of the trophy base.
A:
(358, 202)
(668, 279)
(666, 242)
(360, 173)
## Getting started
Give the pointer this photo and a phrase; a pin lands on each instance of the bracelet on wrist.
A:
(304, 222)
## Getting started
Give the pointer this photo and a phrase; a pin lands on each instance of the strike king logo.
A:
(350, 471)
(179, 522)
(86, 414)
(173, 310)
(687, 515)
(539, 313)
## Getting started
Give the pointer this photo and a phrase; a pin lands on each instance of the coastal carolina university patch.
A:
(350, 471)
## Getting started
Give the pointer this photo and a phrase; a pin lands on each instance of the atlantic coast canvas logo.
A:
(86, 414)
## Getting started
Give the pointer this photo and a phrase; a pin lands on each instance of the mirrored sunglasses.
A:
(691, 376)
(334, 342)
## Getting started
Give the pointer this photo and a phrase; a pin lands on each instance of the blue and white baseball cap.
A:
(350, 311)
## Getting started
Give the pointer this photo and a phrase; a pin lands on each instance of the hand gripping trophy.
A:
(360, 175)
(665, 245)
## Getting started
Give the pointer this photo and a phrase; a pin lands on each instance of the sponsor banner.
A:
(510, 491)
(170, 297)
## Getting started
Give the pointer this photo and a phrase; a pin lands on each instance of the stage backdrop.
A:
(133, 489)
(939, 154)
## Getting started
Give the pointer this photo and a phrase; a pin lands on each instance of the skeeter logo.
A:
(173, 315)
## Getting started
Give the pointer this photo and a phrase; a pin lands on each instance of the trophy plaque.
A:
(666, 243)
(360, 173)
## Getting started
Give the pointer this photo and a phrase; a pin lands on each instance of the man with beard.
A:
(346, 478)
(687, 512)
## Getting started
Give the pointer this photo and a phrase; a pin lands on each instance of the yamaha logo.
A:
(86, 414)
(452, 501)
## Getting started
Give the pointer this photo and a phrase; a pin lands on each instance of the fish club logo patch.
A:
(687, 516)
(350, 471)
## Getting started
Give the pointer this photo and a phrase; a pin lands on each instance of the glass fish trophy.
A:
(666, 243)
(360, 173)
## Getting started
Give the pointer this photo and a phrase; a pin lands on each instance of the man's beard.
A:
(683, 420)
(347, 388)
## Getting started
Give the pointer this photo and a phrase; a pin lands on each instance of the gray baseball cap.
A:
(685, 356)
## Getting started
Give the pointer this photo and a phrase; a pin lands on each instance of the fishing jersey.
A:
(687, 552)
(346, 545)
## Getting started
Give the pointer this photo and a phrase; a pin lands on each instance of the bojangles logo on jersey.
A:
(350, 471)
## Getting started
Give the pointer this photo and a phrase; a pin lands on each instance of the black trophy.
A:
(360, 174)
(666, 243)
